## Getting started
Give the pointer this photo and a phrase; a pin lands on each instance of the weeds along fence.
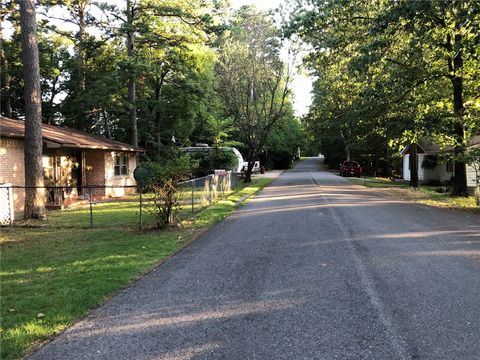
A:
(113, 207)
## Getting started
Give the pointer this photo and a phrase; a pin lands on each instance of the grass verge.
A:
(53, 276)
(424, 194)
(378, 182)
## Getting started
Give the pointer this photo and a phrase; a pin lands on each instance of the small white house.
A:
(443, 171)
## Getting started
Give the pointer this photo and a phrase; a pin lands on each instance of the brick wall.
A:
(12, 170)
(95, 162)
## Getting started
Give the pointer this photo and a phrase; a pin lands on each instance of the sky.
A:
(302, 83)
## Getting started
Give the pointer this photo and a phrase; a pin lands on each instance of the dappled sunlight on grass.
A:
(222, 208)
(448, 201)
(53, 275)
(63, 279)
(423, 194)
(378, 182)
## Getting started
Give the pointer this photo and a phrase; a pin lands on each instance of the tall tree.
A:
(34, 193)
(8, 50)
(132, 111)
(254, 81)
(413, 65)
(4, 69)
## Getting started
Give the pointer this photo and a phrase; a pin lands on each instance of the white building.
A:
(444, 170)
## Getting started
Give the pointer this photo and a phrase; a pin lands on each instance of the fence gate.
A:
(6, 204)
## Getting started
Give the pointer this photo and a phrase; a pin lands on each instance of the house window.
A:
(450, 166)
(48, 168)
(121, 164)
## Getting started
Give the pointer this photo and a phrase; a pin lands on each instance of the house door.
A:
(77, 171)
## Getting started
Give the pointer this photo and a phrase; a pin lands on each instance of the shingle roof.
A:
(436, 148)
(65, 137)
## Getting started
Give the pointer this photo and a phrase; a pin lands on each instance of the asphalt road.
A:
(312, 268)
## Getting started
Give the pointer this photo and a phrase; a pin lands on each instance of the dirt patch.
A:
(407, 194)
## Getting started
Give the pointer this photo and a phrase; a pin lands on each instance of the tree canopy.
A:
(396, 72)
(154, 72)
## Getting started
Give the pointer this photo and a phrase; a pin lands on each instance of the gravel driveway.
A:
(312, 268)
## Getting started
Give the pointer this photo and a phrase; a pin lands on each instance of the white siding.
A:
(406, 171)
(471, 175)
(421, 170)
(445, 175)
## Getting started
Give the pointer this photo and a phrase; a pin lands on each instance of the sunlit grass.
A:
(53, 275)
(377, 182)
(424, 194)
(216, 213)
(434, 198)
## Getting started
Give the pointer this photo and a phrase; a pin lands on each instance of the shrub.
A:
(430, 162)
(281, 159)
(163, 180)
(215, 158)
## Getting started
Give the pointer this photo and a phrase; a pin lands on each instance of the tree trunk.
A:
(348, 152)
(6, 92)
(4, 68)
(53, 91)
(132, 113)
(107, 124)
(455, 66)
(82, 72)
(35, 195)
(375, 162)
(158, 118)
(413, 166)
(460, 171)
(248, 173)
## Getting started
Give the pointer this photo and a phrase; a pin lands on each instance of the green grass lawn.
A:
(124, 213)
(51, 275)
(424, 194)
(448, 201)
(377, 182)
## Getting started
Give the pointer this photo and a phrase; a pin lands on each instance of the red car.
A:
(350, 168)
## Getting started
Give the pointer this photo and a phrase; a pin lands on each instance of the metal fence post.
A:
(193, 195)
(91, 205)
(140, 213)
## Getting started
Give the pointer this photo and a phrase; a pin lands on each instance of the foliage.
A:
(85, 68)
(390, 73)
(253, 80)
(213, 159)
(427, 195)
(282, 145)
(63, 274)
(430, 162)
(191, 63)
(163, 180)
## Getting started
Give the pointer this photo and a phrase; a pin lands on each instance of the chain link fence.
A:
(114, 206)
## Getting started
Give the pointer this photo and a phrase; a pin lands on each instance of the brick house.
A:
(72, 159)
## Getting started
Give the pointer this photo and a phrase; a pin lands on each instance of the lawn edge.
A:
(195, 235)
(472, 211)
